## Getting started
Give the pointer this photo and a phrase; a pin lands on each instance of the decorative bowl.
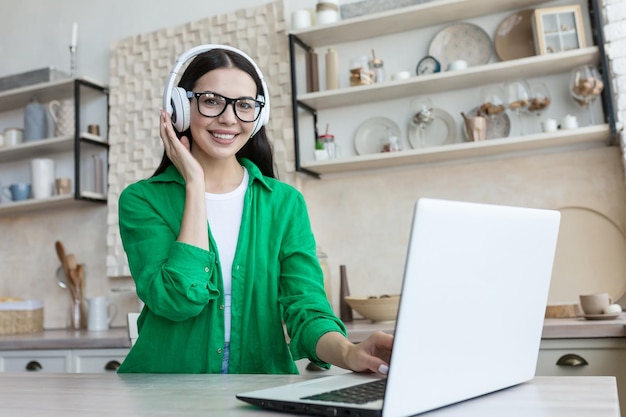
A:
(375, 308)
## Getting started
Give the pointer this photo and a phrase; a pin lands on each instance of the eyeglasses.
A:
(211, 104)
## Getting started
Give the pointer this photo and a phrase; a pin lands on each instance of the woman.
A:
(221, 252)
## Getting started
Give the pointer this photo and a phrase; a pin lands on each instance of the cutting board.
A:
(590, 256)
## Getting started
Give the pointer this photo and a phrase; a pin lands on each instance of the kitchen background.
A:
(360, 219)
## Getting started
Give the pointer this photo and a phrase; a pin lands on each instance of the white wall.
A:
(37, 33)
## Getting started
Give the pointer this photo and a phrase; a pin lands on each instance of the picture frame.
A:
(558, 29)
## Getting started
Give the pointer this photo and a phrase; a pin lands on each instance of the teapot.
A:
(475, 126)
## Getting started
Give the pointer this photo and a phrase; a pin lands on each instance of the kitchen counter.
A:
(139, 395)
(570, 328)
(67, 339)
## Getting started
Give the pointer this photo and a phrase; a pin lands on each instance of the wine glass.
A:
(492, 101)
(585, 86)
(422, 114)
(539, 98)
(518, 98)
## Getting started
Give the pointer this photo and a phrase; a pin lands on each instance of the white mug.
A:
(457, 65)
(101, 312)
(569, 122)
(43, 177)
(301, 19)
(549, 125)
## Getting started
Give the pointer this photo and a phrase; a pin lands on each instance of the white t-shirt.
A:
(224, 211)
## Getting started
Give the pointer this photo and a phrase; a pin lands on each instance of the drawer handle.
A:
(571, 359)
(112, 366)
(33, 366)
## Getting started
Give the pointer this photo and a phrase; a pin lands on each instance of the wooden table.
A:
(154, 395)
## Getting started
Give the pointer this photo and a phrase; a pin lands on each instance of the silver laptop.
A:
(471, 313)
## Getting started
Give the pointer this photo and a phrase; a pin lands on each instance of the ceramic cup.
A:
(17, 192)
(401, 75)
(569, 122)
(13, 136)
(301, 19)
(63, 185)
(94, 129)
(595, 303)
(42, 174)
(100, 313)
(549, 125)
(457, 65)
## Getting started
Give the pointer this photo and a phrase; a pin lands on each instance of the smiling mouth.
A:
(224, 137)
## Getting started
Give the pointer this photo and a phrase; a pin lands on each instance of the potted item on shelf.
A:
(558, 29)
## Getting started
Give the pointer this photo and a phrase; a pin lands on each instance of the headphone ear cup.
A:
(181, 113)
(263, 117)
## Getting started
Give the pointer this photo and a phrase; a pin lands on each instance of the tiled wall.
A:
(615, 39)
(139, 68)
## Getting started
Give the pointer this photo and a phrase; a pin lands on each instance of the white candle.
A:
(74, 35)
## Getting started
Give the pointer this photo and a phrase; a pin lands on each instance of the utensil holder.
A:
(78, 318)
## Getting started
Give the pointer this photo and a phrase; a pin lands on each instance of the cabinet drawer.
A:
(98, 360)
(35, 361)
(571, 362)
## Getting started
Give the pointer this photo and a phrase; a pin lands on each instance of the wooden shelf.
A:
(598, 135)
(54, 90)
(41, 204)
(404, 19)
(492, 73)
(46, 146)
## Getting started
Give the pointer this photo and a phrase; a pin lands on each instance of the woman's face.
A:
(223, 136)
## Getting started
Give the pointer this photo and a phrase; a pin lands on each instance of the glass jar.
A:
(329, 144)
(378, 69)
(326, 12)
(360, 73)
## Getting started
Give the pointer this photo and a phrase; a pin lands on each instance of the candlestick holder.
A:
(72, 60)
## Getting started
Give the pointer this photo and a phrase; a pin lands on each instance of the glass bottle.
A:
(323, 260)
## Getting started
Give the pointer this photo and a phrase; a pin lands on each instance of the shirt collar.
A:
(171, 174)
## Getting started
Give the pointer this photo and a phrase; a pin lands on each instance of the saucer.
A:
(601, 316)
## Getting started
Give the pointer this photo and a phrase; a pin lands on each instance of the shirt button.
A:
(237, 267)
(219, 350)
(206, 269)
(222, 307)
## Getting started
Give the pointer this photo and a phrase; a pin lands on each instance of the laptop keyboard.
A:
(356, 394)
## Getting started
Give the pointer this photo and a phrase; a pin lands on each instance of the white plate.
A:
(498, 125)
(461, 41)
(441, 131)
(372, 135)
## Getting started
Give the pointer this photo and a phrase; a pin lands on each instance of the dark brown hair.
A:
(258, 148)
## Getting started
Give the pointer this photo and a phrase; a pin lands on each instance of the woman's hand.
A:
(371, 355)
(179, 150)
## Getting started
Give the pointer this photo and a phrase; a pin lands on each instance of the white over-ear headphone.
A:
(175, 100)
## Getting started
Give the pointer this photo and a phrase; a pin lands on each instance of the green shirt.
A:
(276, 278)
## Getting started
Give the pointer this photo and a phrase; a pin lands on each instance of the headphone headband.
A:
(175, 100)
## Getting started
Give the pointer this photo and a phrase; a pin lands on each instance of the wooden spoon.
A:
(73, 275)
(63, 258)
